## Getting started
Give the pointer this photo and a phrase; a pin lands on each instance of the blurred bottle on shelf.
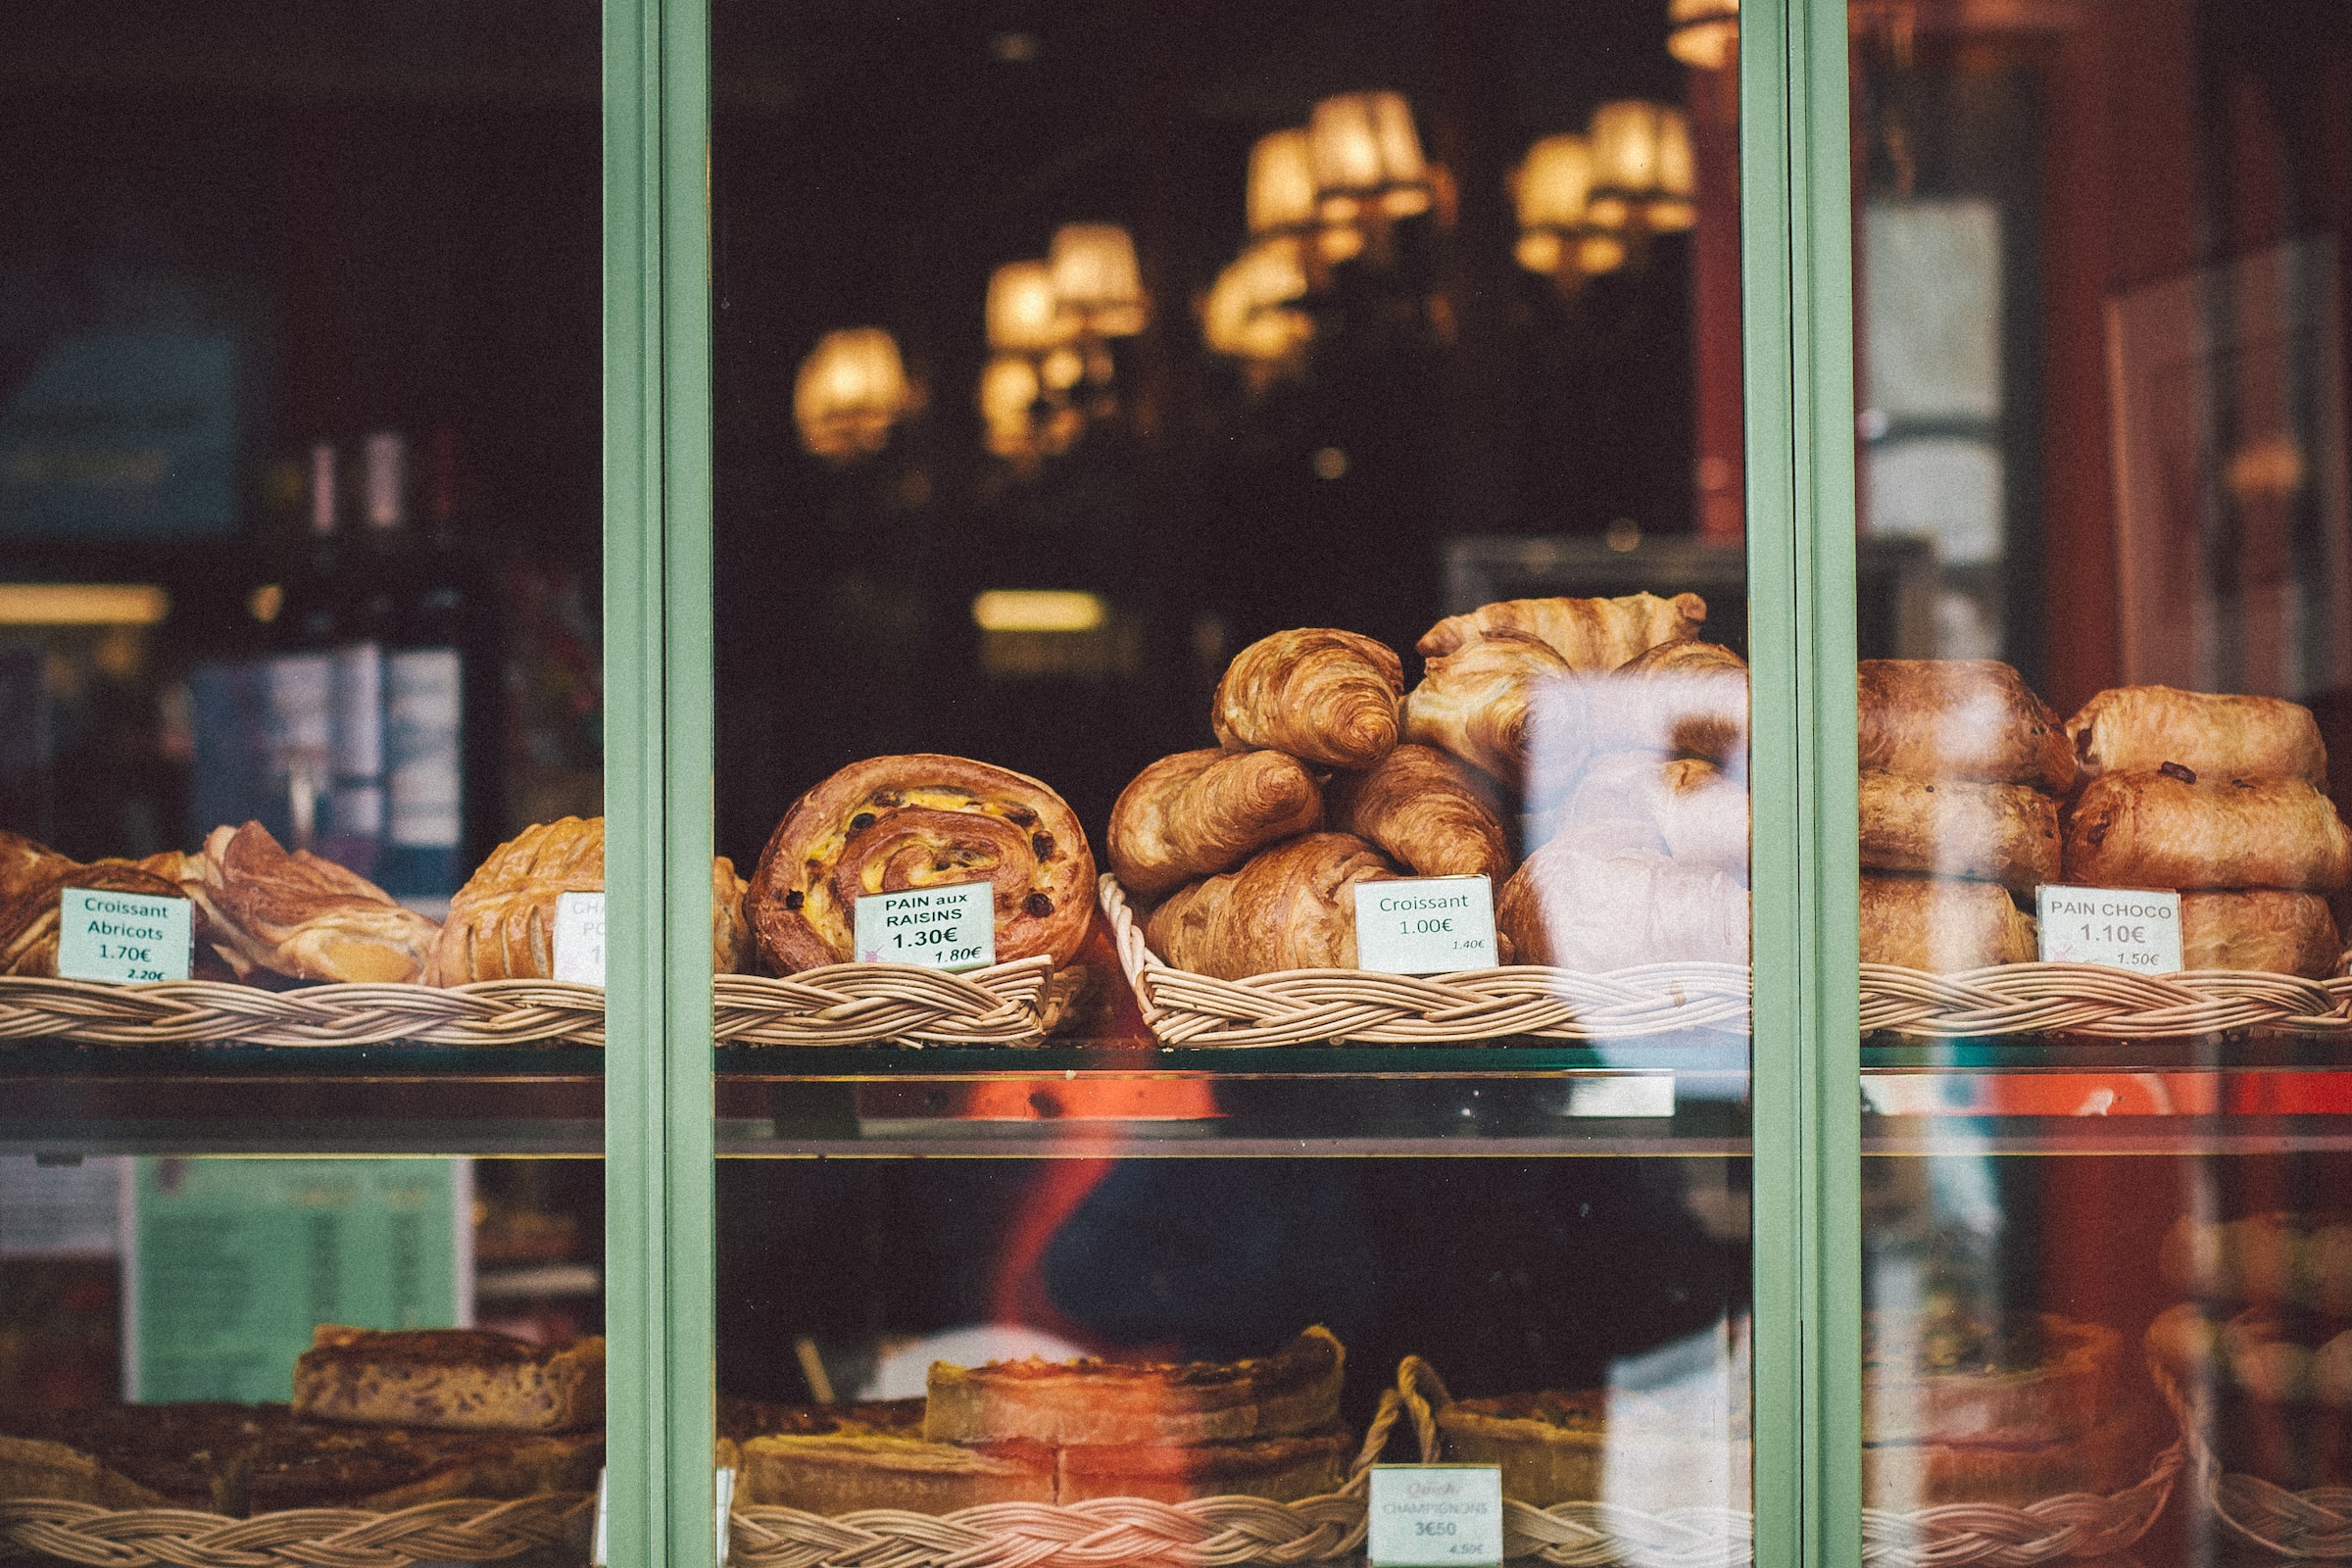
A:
(298, 677)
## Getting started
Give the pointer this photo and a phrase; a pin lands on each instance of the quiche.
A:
(450, 1380)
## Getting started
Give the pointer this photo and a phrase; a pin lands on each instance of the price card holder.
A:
(581, 938)
(1425, 925)
(102, 935)
(951, 927)
(1435, 1516)
(596, 1536)
(2122, 928)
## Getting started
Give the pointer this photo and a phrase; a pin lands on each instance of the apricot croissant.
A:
(308, 918)
(33, 876)
(1323, 696)
(502, 924)
(1199, 812)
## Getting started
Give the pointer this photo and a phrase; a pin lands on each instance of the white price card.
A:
(581, 938)
(122, 936)
(1427, 1515)
(940, 928)
(1425, 925)
(2120, 927)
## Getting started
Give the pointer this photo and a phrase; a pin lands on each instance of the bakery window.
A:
(302, 1208)
(2103, 860)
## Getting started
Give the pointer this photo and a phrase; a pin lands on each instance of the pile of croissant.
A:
(268, 915)
(1599, 739)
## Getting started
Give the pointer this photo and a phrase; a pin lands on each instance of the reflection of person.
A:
(1508, 1274)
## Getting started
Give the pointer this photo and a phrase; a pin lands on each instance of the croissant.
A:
(1199, 812)
(1942, 924)
(305, 918)
(1972, 718)
(2003, 833)
(1323, 696)
(1291, 906)
(1592, 912)
(1590, 634)
(1427, 812)
(1682, 807)
(2263, 928)
(2170, 829)
(891, 823)
(34, 876)
(502, 924)
(2137, 729)
(1478, 704)
(1684, 698)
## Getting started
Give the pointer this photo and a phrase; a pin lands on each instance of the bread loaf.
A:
(1199, 812)
(1324, 696)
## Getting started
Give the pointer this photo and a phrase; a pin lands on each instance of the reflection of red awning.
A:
(1054, 1195)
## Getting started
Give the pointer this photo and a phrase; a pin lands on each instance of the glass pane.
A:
(2101, 376)
(299, 626)
(1231, 612)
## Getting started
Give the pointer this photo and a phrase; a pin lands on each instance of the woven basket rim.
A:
(444, 1530)
(2229, 1496)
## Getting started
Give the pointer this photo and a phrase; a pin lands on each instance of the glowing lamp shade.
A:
(1554, 185)
(1008, 389)
(1643, 173)
(1025, 315)
(1366, 153)
(1097, 282)
(851, 389)
(1247, 315)
(1282, 184)
(1703, 33)
(1048, 610)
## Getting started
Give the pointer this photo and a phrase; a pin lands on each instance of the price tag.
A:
(940, 928)
(122, 936)
(581, 938)
(596, 1533)
(722, 1483)
(1424, 1516)
(1425, 925)
(2120, 927)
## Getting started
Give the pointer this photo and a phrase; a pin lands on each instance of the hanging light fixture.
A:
(1703, 33)
(1008, 394)
(850, 391)
(1644, 175)
(1368, 167)
(1248, 313)
(1282, 198)
(1098, 284)
(1553, 189)
(1023, 313)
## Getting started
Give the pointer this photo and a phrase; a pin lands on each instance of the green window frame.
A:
(1797, 298)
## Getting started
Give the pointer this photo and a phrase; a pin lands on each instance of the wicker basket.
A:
(1299, 1007)
(2314, 1525)
(455, 1530)
(842, 1004)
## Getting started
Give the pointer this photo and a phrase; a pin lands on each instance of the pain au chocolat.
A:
(1960, 718)
(892, 823)
(452, 1380)
(2137, 729)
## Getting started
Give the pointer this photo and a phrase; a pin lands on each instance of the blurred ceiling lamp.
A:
(1282, 197)
(1644, 179)
(1703, 33)
(1098, 285)
(850, 389)
(1248, 315)
(1558, 236)
(1025, 315)
(1367, 158)
(1046, 610)
(82, 604)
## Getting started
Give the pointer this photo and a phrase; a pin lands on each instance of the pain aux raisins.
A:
(888, 798)
(1043, 845)
(1037, 905)
(1020, 815)
(795, 899)
(861, 821)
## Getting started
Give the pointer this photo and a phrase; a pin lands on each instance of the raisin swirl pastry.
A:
(891, 823)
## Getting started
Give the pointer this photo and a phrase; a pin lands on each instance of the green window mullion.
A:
(1796, 288)
(659, 1236)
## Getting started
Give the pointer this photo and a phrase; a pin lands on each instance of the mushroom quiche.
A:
(892, 824)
